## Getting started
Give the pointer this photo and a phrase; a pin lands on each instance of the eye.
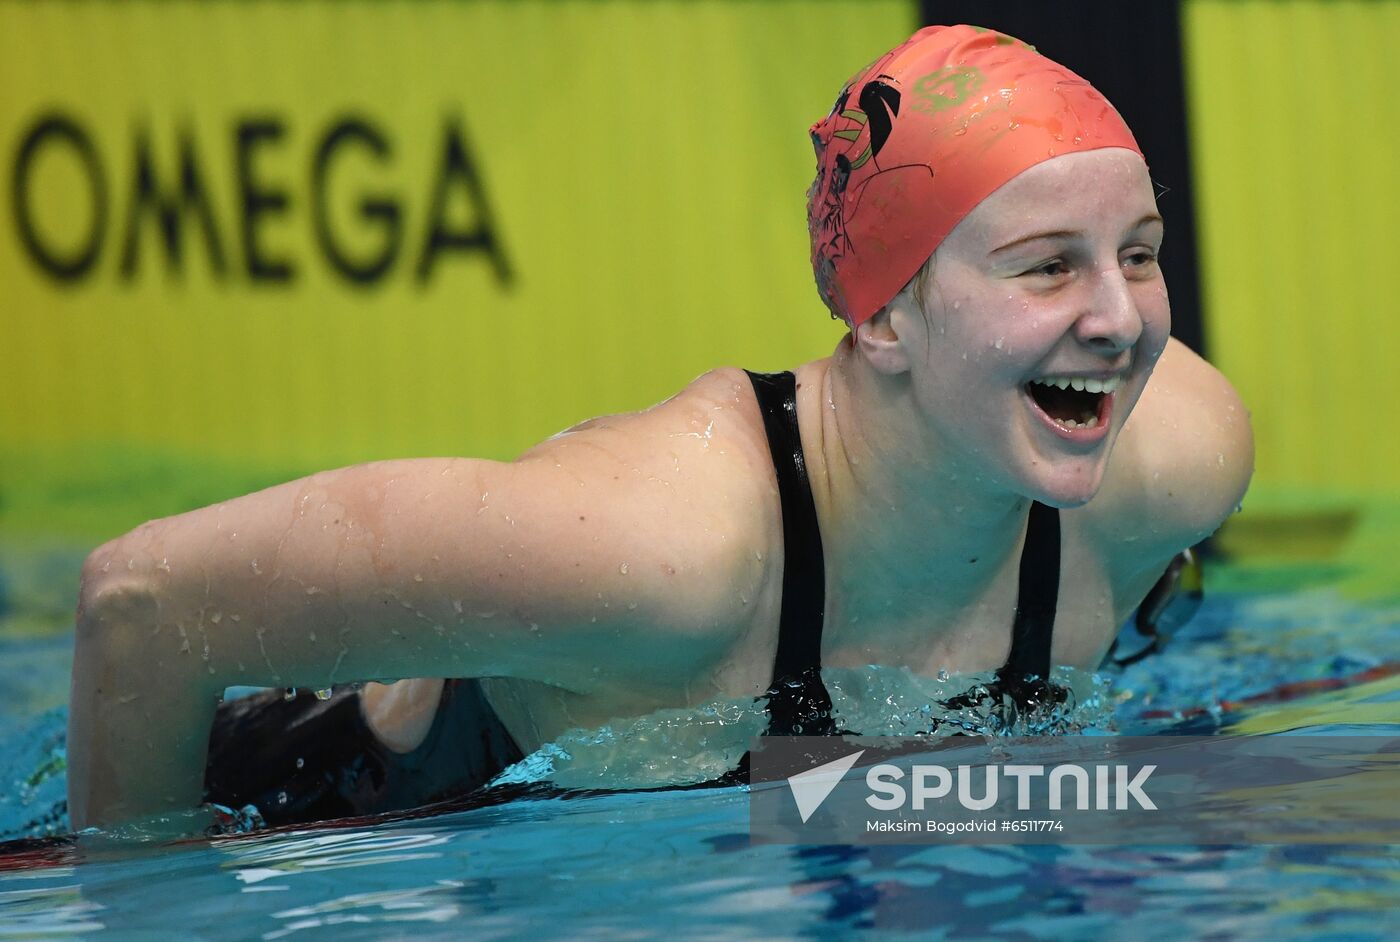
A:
(1051, 269)
(1141, 259)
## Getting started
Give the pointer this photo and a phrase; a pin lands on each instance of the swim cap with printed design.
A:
(921, 136)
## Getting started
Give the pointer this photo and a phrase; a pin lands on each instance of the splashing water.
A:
(685, 747)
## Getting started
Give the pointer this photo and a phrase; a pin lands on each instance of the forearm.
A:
(139, 719)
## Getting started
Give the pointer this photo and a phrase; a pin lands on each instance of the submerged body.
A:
(636, 562)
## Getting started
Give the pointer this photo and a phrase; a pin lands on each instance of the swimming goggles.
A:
(1168, 606)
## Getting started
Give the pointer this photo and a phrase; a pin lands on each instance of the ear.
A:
(884, 339)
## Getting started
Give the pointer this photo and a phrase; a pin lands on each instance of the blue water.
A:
(680, 865)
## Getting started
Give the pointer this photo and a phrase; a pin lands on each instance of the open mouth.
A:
(1073, 402)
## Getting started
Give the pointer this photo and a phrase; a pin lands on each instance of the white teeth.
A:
(1071, 423)
(1082, 385)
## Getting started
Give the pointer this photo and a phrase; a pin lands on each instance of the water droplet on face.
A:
(323, 694)
(300, 762)
(419, 578)
(216, 617)
(281, 798)
(1001, 341)
(622, 569)
(289, 694)
(257, 571)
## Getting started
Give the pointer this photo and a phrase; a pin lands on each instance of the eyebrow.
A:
(1067, 233)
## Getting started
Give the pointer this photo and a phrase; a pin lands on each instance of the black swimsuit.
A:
(306, 759)
(798, 701)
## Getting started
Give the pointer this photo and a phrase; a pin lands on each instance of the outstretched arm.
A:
(424, 568)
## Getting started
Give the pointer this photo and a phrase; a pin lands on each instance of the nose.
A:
(1110, 322)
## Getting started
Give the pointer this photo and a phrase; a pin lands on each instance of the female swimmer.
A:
(1008, 436)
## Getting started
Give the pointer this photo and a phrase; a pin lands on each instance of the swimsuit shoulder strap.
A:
(1037, 596)
(798, 700)
(797, 697)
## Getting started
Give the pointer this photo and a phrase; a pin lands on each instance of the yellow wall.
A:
(644, 165)
(1295, 133)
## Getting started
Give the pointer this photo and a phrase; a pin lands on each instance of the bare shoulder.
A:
(678, 498)
(1182, 462)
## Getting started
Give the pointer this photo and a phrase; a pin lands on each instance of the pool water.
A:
(1266, 654)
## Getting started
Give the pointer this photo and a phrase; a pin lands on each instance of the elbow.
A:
(117, 589)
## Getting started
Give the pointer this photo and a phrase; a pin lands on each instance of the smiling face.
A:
(1041, 323)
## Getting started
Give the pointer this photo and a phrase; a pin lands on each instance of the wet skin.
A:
(635, 561)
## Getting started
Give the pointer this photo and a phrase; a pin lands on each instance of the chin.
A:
(1067, 487)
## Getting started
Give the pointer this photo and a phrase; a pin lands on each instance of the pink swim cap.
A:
(921, 136)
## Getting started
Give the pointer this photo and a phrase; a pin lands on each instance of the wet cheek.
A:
(1157, 318)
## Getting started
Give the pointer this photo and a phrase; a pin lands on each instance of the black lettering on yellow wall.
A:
(259, 200)
(168, 209)
(458, 169)
(172, 203)
(379, 211)
(57, 130)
